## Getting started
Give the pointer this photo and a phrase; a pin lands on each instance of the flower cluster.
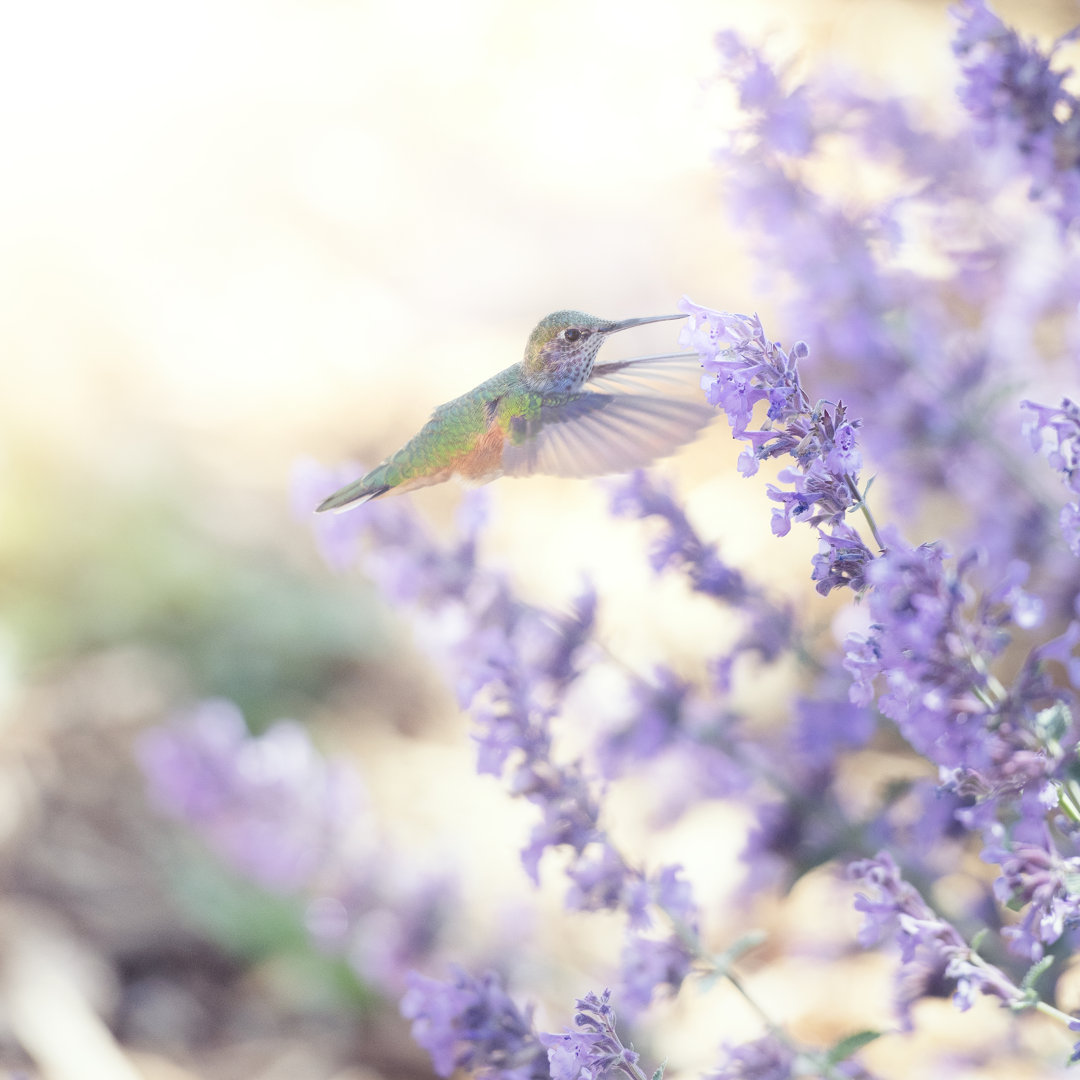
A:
(471, 1023)
(269, 805)
(766, 1058)
(279, 813)
(644, 496)
(1056, 432)
(888, 338)
(1039, 880)
(742, 369)
(1019, 101)
(594, 1049)
(936, 959)
(935, 667)
(512, 665)
(1004, 752)
(932, 645)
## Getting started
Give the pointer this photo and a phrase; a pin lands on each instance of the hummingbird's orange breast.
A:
(484, 461)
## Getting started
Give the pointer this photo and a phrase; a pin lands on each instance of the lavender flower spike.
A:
(1019, 101)
(270, 805)
(1056, 433)
(932, 952)
(594, 1049)
(743, 369)
(472, 1023)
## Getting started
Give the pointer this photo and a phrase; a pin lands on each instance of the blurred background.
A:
(236, 234)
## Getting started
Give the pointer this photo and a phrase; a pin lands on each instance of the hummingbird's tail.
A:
(359, 491)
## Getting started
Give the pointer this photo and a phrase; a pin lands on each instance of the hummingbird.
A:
(555, 412)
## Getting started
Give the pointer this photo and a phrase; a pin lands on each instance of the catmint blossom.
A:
(666, 724)
(1056, 432)
(512, 665)
(642, 495)
(886, 337)
(652, 967)
(934, 958)
(270, 805)
(744, 369)
(1018, 100)
(1043, 883)
(471, 1023)
(767, 1058)
(927, 660)
(593, 1050)
(293, 821)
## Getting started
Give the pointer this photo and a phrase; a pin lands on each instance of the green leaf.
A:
(851, 1045)
(740, 946)
(659, 1074)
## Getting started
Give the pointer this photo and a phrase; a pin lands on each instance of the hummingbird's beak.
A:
(625, 324)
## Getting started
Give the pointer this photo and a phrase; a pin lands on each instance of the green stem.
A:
(861, 503)
(1069, 800)
(1050, 1010)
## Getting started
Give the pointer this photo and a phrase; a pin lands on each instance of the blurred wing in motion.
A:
(631, 413)
(670, 374)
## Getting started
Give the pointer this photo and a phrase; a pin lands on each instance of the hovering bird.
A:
(556, 412)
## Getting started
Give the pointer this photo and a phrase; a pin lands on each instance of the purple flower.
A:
(824, 728)
(651, 723)
(884, 333)
(279, 813)
(844, 457)
(1056, 432)
(471, 1023)
(512, 665)
(650, 966)
(686, 738)
(841, 560)
(743, 368)
(932, 652)
(1037, 877)
(641, 495)
(269, 805)
(570, 809)
(793, 835)
(767, 1058)
(934, 958)
(601, 881)
(780, 118)
(594, 1050)
(1019, 101)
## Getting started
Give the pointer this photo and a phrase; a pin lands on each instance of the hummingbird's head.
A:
(563, 345)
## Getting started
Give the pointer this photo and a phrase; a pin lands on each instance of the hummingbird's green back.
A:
(459, 437)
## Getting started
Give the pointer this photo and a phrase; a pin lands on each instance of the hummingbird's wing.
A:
(676, 374)
(640, 410)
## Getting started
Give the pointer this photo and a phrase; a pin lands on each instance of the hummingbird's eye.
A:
(572, 333)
